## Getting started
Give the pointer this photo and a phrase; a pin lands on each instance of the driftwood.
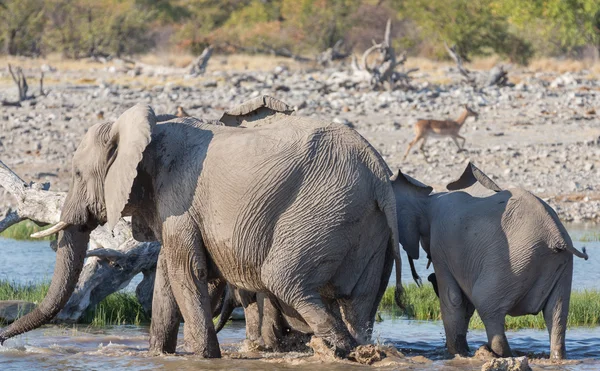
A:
(497, 76)
(21, 81)
(383, 71)
(333, 54)
(198, 66)
(114, 258)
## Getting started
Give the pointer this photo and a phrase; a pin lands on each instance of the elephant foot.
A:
(459, 346)
(209, 351)
(329, 349)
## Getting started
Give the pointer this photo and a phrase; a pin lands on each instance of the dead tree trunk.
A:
(332, 54)
(383, 71)
(114, 258)
(198, 66)
(19, 78)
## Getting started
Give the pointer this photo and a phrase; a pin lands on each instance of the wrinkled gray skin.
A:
(300, 209)
(507, 253)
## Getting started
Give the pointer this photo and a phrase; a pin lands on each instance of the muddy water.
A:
(125, 347)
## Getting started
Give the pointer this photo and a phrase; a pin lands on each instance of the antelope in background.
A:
(441, 128)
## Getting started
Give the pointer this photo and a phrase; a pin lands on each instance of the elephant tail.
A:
(388, 206)
(227, 308)
(580, 254)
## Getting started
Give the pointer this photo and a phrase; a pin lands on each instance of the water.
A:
(125, 347)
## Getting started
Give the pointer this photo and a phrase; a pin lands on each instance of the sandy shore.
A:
(542, 134)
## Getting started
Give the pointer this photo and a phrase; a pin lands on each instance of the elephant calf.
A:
(506, 253)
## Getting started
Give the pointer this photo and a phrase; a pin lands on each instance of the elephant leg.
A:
(188, 275)
(165, 314)
(455, 312)
(556, 311)
(494, 327)
(253, 323)
(322, 320)
(324, 324)
(272, 331)
(359, 310)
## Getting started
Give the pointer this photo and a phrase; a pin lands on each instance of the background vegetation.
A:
(423, 304)
(514, 29)
(120, 308)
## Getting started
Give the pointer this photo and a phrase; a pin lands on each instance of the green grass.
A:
(120, 308)
(23, 231)
(423, 304)
(591, 236)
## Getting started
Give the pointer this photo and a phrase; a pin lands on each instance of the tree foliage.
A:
(515, 29)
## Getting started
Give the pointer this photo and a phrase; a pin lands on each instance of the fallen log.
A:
(114, 258)
(498, 76)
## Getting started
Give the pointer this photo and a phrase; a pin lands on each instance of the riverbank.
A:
(122, 308)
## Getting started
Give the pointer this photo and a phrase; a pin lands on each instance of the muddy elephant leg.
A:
(271, 326)
(165, 313)
(253, 323)
(188, 270)
(556, 312)
(323, 323)
(359, 310)
(494, 327)
(456, 311)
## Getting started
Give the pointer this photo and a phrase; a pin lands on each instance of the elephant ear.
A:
(410, 183)
(471, 176)
(130, 135)
(256, 112)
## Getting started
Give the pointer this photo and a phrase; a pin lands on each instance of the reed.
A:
(120, 308)
(423, 304)
(590, 236)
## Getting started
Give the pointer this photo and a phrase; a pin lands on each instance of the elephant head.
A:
(103, 171)
(413, 224)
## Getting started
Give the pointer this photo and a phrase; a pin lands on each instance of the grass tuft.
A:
(591, 236)
(423, 304)
(120, 308)
(23, 231)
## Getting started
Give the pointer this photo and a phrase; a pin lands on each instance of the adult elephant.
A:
(301, 209)
(504, 253)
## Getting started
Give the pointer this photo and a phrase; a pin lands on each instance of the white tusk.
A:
(50, 231)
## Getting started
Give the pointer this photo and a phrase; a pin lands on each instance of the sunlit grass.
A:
(423, 304)
(120, 308)
(23, 231)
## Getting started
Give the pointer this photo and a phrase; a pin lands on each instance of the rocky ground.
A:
(543, 133)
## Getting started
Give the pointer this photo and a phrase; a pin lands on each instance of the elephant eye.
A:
(78, 174)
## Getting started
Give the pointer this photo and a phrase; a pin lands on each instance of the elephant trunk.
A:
(229, 304)
(70, 256)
